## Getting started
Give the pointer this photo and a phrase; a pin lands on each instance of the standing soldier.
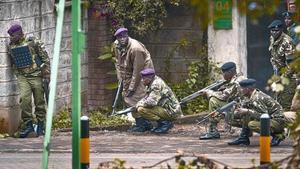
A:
(160, 104)
(290, 26)
(131, 58)
(282, 49)
(254, 104)
(30, 63)
(217, 99)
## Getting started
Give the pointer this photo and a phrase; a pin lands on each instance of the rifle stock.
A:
(125, 111)
(213, 86)
(223, 110)
(118, 95)
(46, 89)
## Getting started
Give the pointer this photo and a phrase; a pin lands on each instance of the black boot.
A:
(276, 140)
(40, 129)
(163, 127)
(243, 139)
(27, 131)
(212, 134)
(142, 125)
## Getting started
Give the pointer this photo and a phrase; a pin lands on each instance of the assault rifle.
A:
(117, 97)
(213, 86)
(223, 110)
(125, 111)
(46, 89)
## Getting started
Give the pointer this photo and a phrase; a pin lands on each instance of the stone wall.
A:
(37, 18)
(180, 26)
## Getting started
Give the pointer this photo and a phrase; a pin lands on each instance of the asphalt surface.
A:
(137, 149)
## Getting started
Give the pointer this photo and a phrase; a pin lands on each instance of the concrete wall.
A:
(180, 25)
(37, 18)
(230, 45)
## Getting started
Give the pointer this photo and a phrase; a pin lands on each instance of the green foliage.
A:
(97, 118)
(139, 16)
(199, 76)
(62, 119)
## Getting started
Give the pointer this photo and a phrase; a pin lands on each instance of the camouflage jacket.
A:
(260, 103)
(160, 94)
(292, 33)
(38, 54)
(229, 91)
(280, 49)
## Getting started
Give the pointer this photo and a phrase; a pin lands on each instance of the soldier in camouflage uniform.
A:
(227, 93)
(254, 104)
(290, 26)
(30, 63)
(281, 49)
(160, 104)
(131, 58)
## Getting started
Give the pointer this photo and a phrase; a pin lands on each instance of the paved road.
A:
(137, 149)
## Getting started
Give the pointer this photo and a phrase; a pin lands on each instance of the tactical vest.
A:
(25, 57)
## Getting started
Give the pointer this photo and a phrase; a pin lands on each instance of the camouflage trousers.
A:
(214, 103)
(277, 125)
(153, 114)
(31, 87)
(285, 97)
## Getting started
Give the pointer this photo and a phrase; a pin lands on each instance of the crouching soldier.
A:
(254, 104)
(160, 104)
(228, 92)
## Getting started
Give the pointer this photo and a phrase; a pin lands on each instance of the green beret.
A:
(228, 66)
(247, 83)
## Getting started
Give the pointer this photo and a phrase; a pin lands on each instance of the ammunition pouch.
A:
(22, 57)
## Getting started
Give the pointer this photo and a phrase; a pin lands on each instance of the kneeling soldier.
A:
(160, 104)
(254, 104)
(228, 92)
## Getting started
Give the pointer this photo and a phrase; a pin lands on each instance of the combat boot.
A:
(243, 139)
(163, 127)
(27, 131)
(276, 140)
(40, 128)
(142, 125)
(213, 133)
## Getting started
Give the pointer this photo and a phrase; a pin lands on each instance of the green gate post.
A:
(78, 41)
(54, 68)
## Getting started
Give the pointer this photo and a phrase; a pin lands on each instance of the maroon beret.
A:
(120, 30)
(147, 72)
(14, 28)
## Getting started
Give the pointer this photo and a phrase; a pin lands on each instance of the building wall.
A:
(37, 17)
(180, 26)
(99, 36)
(230, 45)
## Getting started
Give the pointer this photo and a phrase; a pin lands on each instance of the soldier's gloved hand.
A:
(129, 93)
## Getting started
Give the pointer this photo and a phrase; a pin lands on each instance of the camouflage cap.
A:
(247, 83)
(147, 72)
(120, 30)
(228, 66)
(287, 14)
(275, 24)
(14, 28)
